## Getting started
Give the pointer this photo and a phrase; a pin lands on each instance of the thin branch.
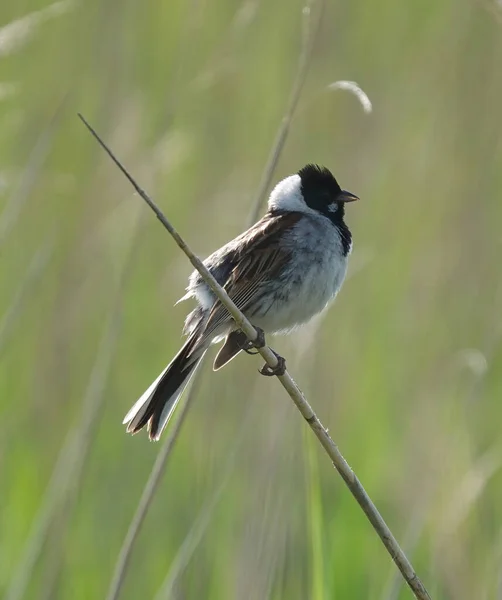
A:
(219, 292)
(311, 33)
(151, 486)
(292, 389)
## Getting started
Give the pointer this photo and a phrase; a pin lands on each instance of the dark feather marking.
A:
(232, 346)
(259, 257)
(345, 236)
(320, 189)
(169, 383)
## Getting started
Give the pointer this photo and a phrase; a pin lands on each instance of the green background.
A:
(405, 370)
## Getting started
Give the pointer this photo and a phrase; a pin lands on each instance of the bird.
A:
(281, 272)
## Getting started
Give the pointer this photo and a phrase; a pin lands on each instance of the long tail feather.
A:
(157, 404)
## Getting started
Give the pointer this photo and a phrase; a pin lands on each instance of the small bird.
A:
(281, 272)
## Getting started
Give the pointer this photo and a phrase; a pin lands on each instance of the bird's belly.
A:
(300, 295)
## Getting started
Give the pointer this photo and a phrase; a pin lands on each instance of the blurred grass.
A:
(406, 369)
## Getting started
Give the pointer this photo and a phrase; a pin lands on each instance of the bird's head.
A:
(313, 188)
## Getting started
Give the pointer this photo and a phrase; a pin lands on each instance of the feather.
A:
(258, 257)
(234, 343)
(157, 404)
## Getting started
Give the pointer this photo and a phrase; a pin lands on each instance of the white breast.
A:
(314, 277)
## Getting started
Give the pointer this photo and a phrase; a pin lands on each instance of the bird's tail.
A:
(157, 404)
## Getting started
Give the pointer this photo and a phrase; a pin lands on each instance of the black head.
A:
(321, 192)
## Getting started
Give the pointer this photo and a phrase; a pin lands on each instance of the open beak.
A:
(345, 196)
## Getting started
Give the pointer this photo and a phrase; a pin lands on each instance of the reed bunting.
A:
(281, 272)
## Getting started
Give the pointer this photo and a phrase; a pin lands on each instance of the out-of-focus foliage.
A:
(405, 370)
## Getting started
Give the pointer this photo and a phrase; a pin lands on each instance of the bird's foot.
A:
(249, 346)
(278, 370)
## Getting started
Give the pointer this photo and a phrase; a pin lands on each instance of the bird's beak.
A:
(345, 196)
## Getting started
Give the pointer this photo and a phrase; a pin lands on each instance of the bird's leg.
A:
(279, 369)
(249, 345)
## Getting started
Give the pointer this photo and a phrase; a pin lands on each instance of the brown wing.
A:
(258, 257)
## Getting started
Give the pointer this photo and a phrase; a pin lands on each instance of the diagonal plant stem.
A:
(29, 177)
(310, 35)
(190, 543)
(148, 494)
(72, 458)
(34, 271)
(151, 486)
(201, 523)
(69, 465)
(341, 465)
